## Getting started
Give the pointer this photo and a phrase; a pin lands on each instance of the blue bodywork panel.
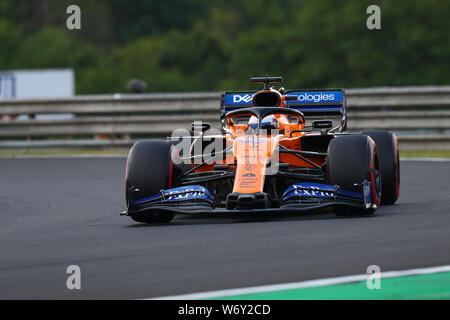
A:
(320, 191)
(330, 101)
(187, 193)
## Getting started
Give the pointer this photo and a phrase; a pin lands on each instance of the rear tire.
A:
(149, 170)
(353, 159)
(388, 155)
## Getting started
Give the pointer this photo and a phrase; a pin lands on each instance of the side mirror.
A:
(322, 124)
(200, 126)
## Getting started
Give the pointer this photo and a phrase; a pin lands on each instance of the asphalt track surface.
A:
(56, 212)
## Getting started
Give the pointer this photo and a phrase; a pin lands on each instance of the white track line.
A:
(300, 285)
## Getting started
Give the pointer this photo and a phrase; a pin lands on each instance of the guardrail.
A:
(419, 115)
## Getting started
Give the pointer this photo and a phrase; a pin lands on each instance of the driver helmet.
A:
(268, 123)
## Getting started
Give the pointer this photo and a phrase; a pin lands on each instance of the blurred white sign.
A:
(35, 84)
(31, 84)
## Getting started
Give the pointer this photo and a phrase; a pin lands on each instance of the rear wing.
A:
(313, 103)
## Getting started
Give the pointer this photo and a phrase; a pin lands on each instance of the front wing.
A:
(299, 197)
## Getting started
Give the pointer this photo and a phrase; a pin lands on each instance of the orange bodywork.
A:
(252, 153)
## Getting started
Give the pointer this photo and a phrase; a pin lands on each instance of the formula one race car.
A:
(265, 160)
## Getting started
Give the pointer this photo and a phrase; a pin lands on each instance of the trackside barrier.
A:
(420, 116)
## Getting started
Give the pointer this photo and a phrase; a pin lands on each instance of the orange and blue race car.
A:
(278, 151)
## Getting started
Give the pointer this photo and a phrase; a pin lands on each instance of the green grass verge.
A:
(428, 286)
(425, 153)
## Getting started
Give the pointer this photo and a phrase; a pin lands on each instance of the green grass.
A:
(425, 153)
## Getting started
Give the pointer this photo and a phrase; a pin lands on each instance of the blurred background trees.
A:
(199, 45)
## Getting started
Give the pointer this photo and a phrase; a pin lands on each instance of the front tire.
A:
(149, 170)
(388, 155)
(353, 159)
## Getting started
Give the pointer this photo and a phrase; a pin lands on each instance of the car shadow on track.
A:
(229, 219)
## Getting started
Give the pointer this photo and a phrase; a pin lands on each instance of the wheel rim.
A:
(376, 178)
(397, 174)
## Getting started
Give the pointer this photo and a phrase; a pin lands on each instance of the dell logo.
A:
(242, 98)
